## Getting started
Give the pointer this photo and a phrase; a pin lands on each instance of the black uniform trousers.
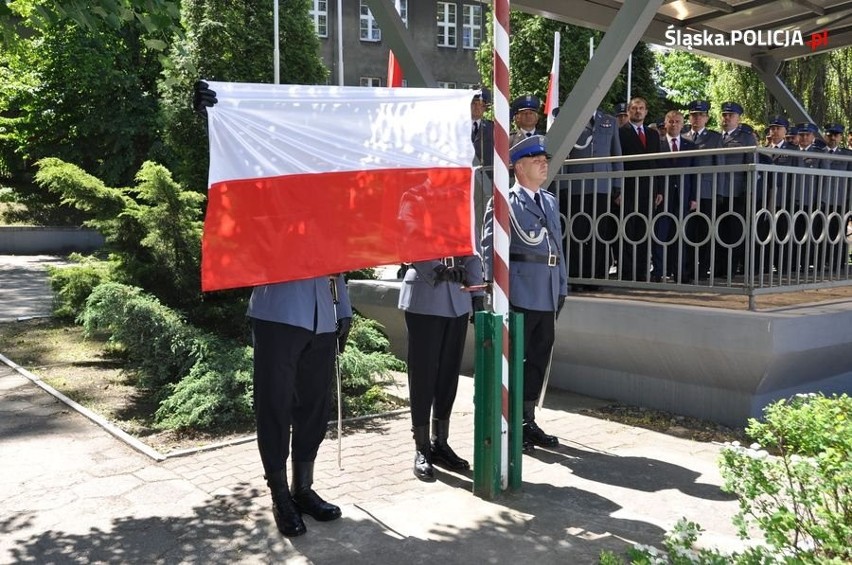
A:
(435, 349)
(293, 373)
(539, 335)
(587, 266)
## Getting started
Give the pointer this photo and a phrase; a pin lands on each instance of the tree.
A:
(229, 40)
(685, 76)
(531, 57)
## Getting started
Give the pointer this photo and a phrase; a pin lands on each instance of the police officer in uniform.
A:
(778, 187)
(482, 137)
(621, 115)
(835, 198)
(538, 281)
(589, 196)
(437, 311)
(806, 195)
(526, 114)
(731, 190)
(297, 331)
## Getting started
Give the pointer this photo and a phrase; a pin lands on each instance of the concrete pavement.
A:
(72, 493)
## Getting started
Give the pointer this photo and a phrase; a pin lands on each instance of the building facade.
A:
(448, 34)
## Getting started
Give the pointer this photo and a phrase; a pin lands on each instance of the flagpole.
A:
(629, 75)
(340, 42)
(501, 228)
(276, 54)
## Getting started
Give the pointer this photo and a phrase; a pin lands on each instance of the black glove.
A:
(343, 327)
(203, 97)
(560, 302)
(457, 274)
(442, 273)
(478, 306)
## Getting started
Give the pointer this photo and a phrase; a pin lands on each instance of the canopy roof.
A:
(718, 16)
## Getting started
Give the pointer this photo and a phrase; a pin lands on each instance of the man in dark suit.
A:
(679, 199)
(638, 198)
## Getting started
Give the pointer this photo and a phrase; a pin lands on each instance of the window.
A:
(471, 26)
(370, 30)
(446, 24)
(371, 81)
(319, 12)
(442, 84)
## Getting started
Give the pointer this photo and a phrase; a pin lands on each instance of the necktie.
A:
(474, 131)
(537, 199)
(724, 137)
(529, 134)
(640, 131)
(674, 144)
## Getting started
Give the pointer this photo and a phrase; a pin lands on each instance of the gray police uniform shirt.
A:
(728, 184)
(422, 293)
(532, 285)
(599, 139)
(706, 139)
(305, 303)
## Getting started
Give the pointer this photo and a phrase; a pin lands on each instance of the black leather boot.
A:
(423, 456)
(306, 499)
(533, 435)
(287, 516)
(442, 453)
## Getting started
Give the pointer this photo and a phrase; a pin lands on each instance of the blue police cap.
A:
(807, 127)
(527, 147)
(833, 128)
(792, 130)
(731, 108)
(485, 95)
(525, 102)
(621, 108)
(698, 106)
(779, 121)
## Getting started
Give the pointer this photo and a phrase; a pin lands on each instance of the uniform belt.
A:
(451, 262)
(551, 260)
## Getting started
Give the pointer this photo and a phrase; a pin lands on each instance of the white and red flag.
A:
(552, 100)
(311, 180)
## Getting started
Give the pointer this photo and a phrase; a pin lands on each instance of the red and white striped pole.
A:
(501, 226)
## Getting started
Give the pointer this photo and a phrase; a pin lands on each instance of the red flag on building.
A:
(553, 87)
(394, 71)
(311, 180)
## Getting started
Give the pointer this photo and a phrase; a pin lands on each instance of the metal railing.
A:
(745, 221)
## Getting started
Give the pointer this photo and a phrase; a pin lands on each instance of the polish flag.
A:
(552, 100)
(311, 180)
(394, 71)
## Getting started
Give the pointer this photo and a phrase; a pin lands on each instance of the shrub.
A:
(72, 284)
(794, 485)
(800, 494)
(156, 340)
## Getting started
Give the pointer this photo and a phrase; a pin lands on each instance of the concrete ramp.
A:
(711, 363)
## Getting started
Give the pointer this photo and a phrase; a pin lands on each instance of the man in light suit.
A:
(538, 281)
(297, 330)
(592, 197)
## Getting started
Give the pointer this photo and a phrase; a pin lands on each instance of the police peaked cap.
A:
(808, 127)
(620, 108)
(484, 95)
(779, 121)
(525, 102)
(698, 106)
(528, 147)
(731, 108)
(833, 128)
